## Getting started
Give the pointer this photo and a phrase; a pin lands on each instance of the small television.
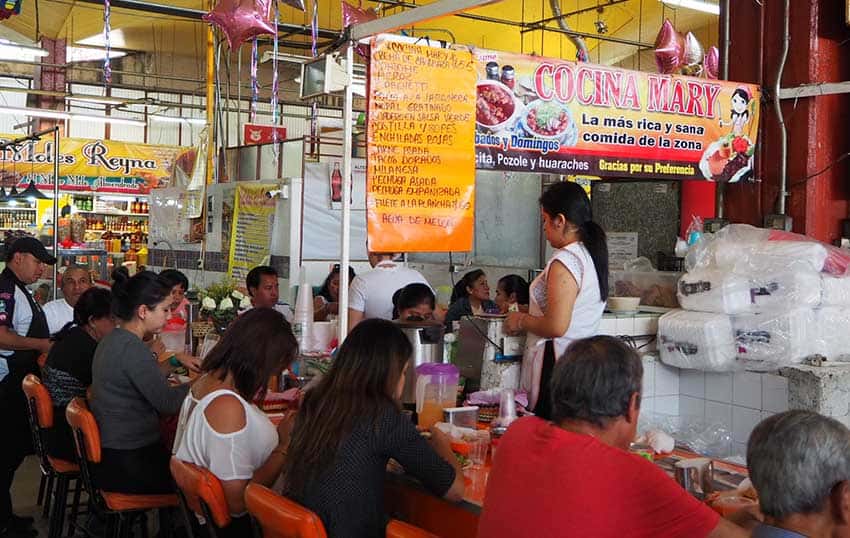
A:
(326, 75)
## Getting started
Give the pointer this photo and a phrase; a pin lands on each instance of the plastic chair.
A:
(400, 529)
(201, 493)
(62, 472)
(121, 509)
(278, 517)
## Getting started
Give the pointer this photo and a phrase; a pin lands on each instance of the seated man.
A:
(75, 281)
(264, 290)
(799, 463)
(574, 476)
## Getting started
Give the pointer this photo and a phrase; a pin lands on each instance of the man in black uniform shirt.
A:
(23, 337)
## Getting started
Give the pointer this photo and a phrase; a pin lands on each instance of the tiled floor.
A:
(25, 491)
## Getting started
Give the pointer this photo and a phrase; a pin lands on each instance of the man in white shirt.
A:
(75, 280)
(371, 293)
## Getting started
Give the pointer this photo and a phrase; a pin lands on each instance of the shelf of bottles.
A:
(117, 220)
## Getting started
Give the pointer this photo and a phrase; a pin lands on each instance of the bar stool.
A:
(400, 529)
(40, 414)
(121, 509)
(200, 493)
(279, 517)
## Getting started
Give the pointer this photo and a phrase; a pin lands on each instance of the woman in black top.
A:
(67, 373)
(348, 428)
(470, 297)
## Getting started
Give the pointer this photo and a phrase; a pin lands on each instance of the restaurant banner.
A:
(94, 165)
(420, 168)
(553, 116)
(250, 237)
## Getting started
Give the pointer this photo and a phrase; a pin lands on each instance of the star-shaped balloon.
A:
(356, 14)
(241, 20)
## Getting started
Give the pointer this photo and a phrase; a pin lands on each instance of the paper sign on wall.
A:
(420, 151)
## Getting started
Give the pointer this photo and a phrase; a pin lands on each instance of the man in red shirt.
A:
(574, 476)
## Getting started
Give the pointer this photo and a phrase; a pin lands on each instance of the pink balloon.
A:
(711, 63)
(241, 20)
(355, 15)
(668, 48)
(693, 52)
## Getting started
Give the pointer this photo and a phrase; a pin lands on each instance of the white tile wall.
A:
(667, 405)
(744, 420)
(646, 325)
(691, 407)
(720, 413)
(692, 383)
(648, 378)
(608, 326)
(774, 393)
(626, 326)
(666, 380)
(746, 389)
(718, 387)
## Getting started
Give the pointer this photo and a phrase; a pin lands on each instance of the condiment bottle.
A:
(508, 76)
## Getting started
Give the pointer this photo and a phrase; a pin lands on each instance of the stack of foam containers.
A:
(756, 305)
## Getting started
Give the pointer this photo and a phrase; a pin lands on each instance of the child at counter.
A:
(349, 426)
(512, 294)
(470, 296)
(414, 302)
(326, 302)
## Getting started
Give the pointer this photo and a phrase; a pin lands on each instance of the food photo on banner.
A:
(553, 116)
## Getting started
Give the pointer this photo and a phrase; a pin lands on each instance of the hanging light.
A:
(32, 193)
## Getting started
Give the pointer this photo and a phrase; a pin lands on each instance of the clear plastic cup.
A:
(479, 446)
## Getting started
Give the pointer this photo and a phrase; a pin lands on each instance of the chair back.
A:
(400, 529)
(40, 414)
(87, 440)
(279, 517)
(200, 492)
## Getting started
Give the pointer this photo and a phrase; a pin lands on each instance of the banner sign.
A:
(250, 237)
(255, 133)
(94, 165)
(420, 168)
(553, 116)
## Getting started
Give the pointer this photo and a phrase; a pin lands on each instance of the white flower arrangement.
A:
(218, 303)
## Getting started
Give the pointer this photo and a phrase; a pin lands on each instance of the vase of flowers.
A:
(220, 304)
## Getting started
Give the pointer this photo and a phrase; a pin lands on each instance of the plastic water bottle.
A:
(303, 314)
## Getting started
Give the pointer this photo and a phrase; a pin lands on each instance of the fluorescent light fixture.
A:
(90, 54)
(177, 119)
(34, 112)
(696, 5)
(269, 55)
(10, 50)
(96, 99)
(108, 119)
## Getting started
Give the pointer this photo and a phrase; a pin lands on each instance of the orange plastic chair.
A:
(53, 470)
(279, 517)
(400, 529)
(201, 493)
(123, 509)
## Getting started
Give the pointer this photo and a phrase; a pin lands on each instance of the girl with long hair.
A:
(567, 299)
(470, 296)
(349, 426)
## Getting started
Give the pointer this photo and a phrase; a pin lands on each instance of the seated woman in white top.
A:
(220, 429)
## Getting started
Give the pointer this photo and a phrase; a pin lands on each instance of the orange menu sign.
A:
(420, 168)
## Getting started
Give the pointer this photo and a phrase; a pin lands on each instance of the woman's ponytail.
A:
(596, 243)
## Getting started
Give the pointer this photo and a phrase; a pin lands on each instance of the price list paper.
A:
(420, 169)
(253, 215)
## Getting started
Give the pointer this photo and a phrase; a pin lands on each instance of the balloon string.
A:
(255, 83)
(107, 67)
(314, 29)
(275, 80)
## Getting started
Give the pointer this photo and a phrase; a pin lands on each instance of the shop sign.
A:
(95, 165)
(250, 235)
(557, 117)
(255, 133)
(420, 167)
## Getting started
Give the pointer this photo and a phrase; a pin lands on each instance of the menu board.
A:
(553, 116)
(420, 167)
(253, 216)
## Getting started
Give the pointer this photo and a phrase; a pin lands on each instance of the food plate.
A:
(720, 155)
(496, 108)
(549, 120)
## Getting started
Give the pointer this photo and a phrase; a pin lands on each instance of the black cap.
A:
(30, 245)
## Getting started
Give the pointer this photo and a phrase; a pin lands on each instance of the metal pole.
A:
(720, 190)
(55, 210)
(210, 105)
(777, 105)
(347, 117)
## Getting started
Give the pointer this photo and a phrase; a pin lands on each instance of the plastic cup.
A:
(479, 445)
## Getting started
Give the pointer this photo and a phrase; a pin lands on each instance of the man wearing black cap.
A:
(23, 336)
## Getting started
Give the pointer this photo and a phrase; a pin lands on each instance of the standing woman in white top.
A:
(220, 429)
(567, 299)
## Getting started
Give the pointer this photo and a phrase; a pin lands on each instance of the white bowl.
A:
(507, 123)
(623, 304)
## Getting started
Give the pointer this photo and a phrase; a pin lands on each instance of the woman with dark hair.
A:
(219, 426)
(326, 302)
(568, 298)
(349, 426)
(470, 296)
(512, 294)
(67, 373)
(129, 390)
(414, 302)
